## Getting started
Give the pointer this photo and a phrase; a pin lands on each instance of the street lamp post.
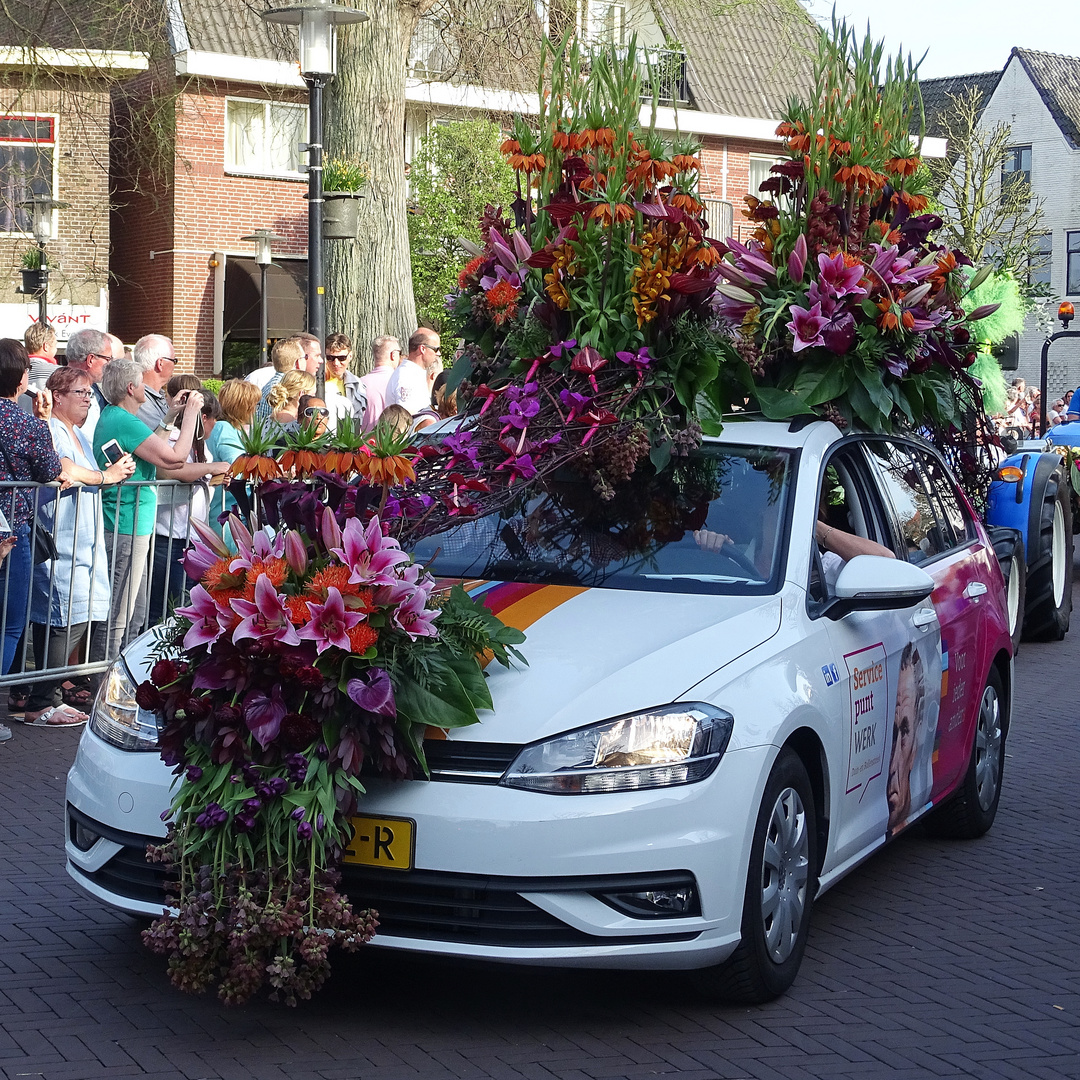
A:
(318, 22)
(41, 209)
(1066, 314)
(263, 239)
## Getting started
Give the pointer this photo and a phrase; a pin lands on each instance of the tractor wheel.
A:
(1050, 561)
(1009, 549)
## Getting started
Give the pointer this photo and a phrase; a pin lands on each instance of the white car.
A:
(717, 722)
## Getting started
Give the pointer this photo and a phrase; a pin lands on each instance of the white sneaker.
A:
(5, 733)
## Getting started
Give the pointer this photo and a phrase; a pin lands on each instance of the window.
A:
(608, 22)
(759, 173)
(1072, 240)
(27, 161)
(1016, 171)
(1041, 260)
(264, 137)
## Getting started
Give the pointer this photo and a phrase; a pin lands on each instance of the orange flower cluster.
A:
(390, 471)
(344, 462)
(563, 267)
(573, 142)
(255, 467)
(664, 250)
(471, 267)
(521, 162)
(302, 462)
(646, 170)
(502, 300)
(860, 178)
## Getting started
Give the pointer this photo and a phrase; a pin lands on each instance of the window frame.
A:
(1072, 280)
(1035, 277)
(53, 120)
(1014, 154)
(231, 169)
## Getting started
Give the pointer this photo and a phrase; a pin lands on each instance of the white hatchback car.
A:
(719, 719)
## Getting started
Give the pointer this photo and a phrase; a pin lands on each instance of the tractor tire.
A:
(1050, 559)
(1009, 549)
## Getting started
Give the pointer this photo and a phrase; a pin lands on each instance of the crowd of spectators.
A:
(1020, 417)
(134, 452)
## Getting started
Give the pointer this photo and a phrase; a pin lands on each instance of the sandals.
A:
(17, 698)
(57, 716)
(77, 693)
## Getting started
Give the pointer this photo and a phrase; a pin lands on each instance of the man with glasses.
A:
(154, 354)
(386, 356)
(344, 396)
(410, 385)
(91, 351)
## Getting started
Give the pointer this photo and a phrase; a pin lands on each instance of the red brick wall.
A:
(205, 211)
(79, 253)
(732, 183)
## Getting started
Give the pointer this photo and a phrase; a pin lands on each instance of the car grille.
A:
(469, 762)
(127, 873)
(472, 909)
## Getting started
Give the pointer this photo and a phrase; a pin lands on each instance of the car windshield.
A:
(712, 522)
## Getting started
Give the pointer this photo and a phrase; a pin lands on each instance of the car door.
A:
(868, 651)
(936, 534)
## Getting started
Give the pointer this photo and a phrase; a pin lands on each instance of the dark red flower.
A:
(164, 672)
(310, 678)
(298, 732)
(147, 696)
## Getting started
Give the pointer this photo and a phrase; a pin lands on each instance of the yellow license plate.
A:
(384, 842)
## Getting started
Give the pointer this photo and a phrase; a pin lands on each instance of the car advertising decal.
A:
(870, 701)
(914, 732)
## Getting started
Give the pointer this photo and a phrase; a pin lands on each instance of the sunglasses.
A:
(316, 410)
(434, 348)
(342, 358)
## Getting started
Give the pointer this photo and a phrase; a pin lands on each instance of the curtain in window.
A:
(245, 135)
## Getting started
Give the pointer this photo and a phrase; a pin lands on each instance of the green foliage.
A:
(458, 171)
(31, 259)
(345, 174)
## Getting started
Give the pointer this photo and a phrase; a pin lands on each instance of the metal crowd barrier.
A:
(82, 507)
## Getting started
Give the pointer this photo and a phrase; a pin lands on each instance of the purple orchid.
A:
(414, 617)
(837, 279)
(806, 326)
(521, 412)
(207, 623)
(263, 714)
(521, 468)
(639, 360)
(370, 556)
(267, 619)
(574, 403)
(566, 346)
(330, 623)
(373, 692)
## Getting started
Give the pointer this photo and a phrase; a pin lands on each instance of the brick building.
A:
(206, 120)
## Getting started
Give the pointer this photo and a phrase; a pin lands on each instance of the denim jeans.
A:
(128, 591)
(15, 574)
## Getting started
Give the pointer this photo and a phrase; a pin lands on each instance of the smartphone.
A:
(112, 451)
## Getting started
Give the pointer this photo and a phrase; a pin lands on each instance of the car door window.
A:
(953, 514)
(924, 532)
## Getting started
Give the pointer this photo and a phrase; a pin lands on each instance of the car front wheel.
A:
(780, 886)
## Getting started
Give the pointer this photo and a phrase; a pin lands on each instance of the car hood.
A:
(597, 653)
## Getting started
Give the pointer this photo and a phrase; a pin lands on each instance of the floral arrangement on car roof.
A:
(302, 656)
(841, 304)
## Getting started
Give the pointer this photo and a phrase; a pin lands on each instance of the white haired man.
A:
(154, 353)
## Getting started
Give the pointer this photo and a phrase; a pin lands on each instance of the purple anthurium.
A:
(414, 617)
(263, 714)
(835, 277)
(796, 264)
(806, 326)
(839, 333)
(373, 692)
(205, 616)
(265, 618)
(370, 556)
(330, 623)
(639, 360)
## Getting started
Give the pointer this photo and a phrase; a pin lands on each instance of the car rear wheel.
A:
(1050, 568)
(971, 813)
(780, 886)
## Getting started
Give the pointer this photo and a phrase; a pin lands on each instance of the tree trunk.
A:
(369, 281)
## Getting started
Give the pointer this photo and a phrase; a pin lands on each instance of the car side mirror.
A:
(877, 583)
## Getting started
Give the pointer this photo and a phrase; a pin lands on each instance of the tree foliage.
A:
(988, 221)
(458, 171)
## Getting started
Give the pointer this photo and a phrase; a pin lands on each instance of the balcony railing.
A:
(663, 76)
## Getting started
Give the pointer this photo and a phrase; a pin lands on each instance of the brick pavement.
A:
(933, 959)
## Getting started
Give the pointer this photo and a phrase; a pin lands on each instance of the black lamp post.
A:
(318, 22)
(264, 256)
(41, 209)
(1065, 313)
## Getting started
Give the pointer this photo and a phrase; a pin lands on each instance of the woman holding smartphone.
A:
(130, 515)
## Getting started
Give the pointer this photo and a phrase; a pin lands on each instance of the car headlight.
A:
(117, 718)
(661, 747)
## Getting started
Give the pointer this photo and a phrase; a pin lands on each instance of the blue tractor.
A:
(1029, 518)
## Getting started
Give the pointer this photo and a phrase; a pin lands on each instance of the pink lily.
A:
(331, 532)
(266, 618)
(330, 623)
(806, 326)
(205, 616)
(414, 617)
(295, 552)
(197, 560)
(796, 264)
(370, 555)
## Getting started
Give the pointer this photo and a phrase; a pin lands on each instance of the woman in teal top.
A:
(130, 513)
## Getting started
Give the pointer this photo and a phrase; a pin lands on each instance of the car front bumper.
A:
(498, 873)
